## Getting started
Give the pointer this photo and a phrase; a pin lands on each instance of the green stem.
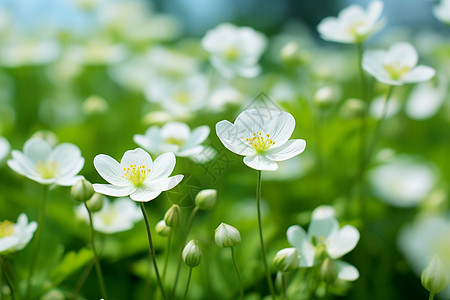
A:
(431, 296)
(187, 284)
(37, 240)
(263, 251)
(188, 229)
(82, 280)
(166, 259)
(241, 289)
(97, 263)
(7, 279)
(283, 286)
(152, 250)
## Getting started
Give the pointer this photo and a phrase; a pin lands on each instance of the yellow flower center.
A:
(47, 169)
(136, 174)
(260, 142)
(396, 70)
(174, 141)
(232, 53)
(181, 97)
(109, 216)
(353, 29)
(6, 229)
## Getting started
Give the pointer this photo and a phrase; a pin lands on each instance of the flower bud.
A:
(287, 259)
(435, 276)
(95, 204)
(206, 199)
(353, 108)
(173, 216)
(227, 236)
(329, 271)
(326, 96)
(162, 229)
(82, 190)
(292, 56)
(192, 254)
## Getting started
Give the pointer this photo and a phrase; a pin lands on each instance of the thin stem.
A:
(37, 240)
(263, 251)
(166, 259)
(187, 284)
(241, 289)
(188, 229)
(3, 262)
(431, 296)
(97, 263)
(283, 286)
(82, 280)
(152, 250)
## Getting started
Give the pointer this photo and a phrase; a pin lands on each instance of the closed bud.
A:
(95, 204)
(435, 276)
(326, 96)
(287, 259)
(82, 190)
(162, 229)
(206, 199)
(292, 56)
(192, 254)
(329, 271)
(173, 216)
(227, 236)
(353, 108)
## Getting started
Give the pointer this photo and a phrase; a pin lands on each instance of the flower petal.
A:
(326, 227)
(177, 130)
(280, 127)
(113, 190)
(344, 241)
(197, 137)
(162, 166)
(229, 134)
(346, 271)
(260, 162)
(68, 180)
(288, 150)
(137, 157)
(165, 184)
(110, 170)
(36, 149)
(402, 53)
(67, 156)
(145, 194)
(297, 237)
(419, 74)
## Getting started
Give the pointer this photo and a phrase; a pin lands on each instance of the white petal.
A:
(68, 180)
(176, 130)
(260, 162)
(162, 166)
(280, 127)
(327, 227)
(344, 241)
(229, 134)
(288, 150)
(138, 157)
(193, 150)
(346, 271)
(110, 170)
(8, 242)
(198, 136)
(113, 190)
(165, 184)
(145, 194)
(150, 141)
(297, 237)
(67, 156)
(36, 150)
(23, 163)
(402, 53)
(419, 74)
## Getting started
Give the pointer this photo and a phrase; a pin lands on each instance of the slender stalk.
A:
(37, 240)
(263, 251)
(8, 281)
(152, 250)
(241, 289)
(97, 263)
(187, 284)
(431, 296)
(188, 229)
(82, 280)
(283, 286)
(166, 259)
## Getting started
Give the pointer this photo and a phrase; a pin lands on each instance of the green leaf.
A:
(71, 262)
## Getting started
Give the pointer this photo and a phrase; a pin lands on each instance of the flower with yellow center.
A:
(262, 136)
(397, 65)
(136, 175)
(45, 165)
(14, 237)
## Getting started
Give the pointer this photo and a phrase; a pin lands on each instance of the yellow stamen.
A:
(136, 174)
(174, 141)
(396, 70)
(6, 228)
(259, 142)
(47, 169)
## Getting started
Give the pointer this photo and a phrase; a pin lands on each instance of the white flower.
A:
(377, 106)
(14, 237)
(442, 11)
(119, 215)
(325, 239)
(136, 175)
(262, 136)
(97, 52)
(173, 137)
(402, 182)
(353, 24)
(23, 51)
(41, 163)
(397, 65)
(4, 148)
(235, 51)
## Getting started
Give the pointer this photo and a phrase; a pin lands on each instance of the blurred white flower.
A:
(442, 11)
(41, 163)
(119, 215)
(14, 237)
(353, 24)
(4, 148)
(235, 51)
(262, 136)
(402, 181)
(97, 52)
(426, 99)
(220, 97)
(22, 51)
(397, 65)
(325, 239)
(136, 175)
(173, 137)
(377, 106)
(94, 105)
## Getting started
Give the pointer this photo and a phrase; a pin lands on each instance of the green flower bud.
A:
(353, 108)
(162, 229)
(192, 254)
(95, 204)
(435, 277)
(292, 56)
(206, 199)
(82, 190)
(173, 216)
(287, 259)
(227, 236)
(329, 271)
